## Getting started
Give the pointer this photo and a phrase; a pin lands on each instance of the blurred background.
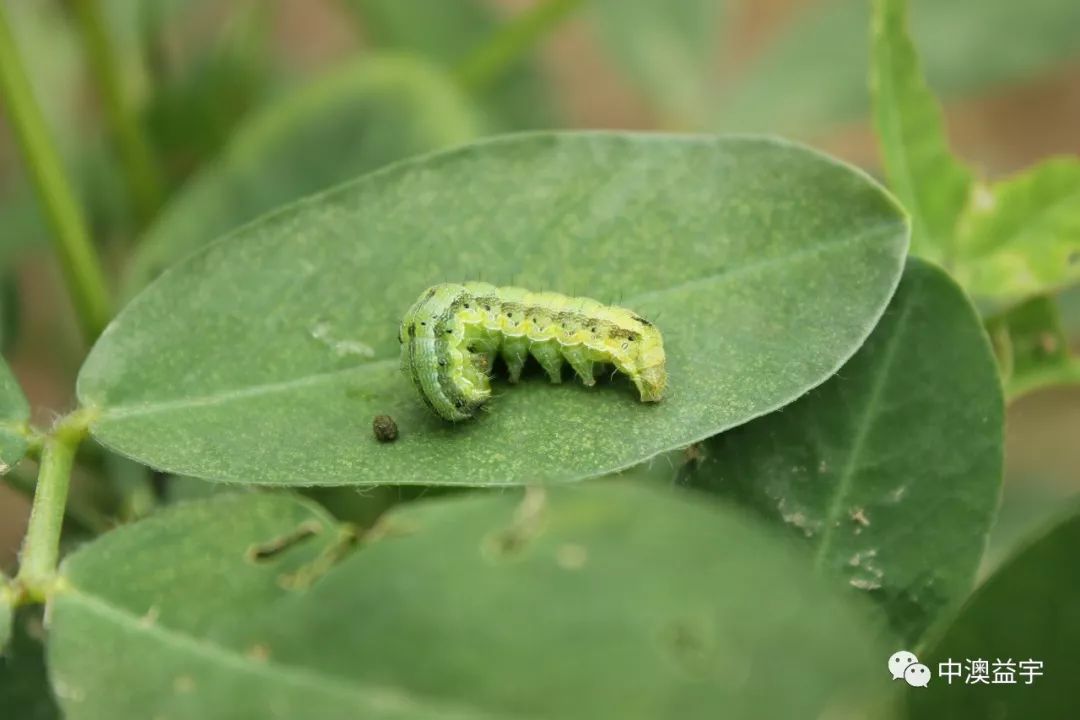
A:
(259, 102)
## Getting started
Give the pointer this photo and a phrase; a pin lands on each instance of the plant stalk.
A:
(84, 517)
(81, 265)
(489, 63)
(41, 547)
(141, 170)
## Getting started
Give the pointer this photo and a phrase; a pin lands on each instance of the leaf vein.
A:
(378, 698)
(862, 432)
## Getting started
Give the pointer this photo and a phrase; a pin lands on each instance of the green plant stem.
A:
(82, 268)
(35, 440)
(85, 517)
(41, 547)
(488, 63)
(141, 170)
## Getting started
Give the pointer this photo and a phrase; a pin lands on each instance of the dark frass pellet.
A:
(385, 428)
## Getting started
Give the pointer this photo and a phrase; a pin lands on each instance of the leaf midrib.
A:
(119, 412)
(870, 409)
(369, 696)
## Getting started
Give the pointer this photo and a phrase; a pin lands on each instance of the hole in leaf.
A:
(510, 541)
(689, 645)
(505, 543)
(270, 549)
(335, 551)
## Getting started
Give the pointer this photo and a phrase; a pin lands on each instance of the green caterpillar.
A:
(452, 333)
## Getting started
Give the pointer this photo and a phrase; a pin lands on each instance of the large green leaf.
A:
(361, 117)
(265, 357)
(666, 49)
(447, 33)
(609, 600)
(891, 471)
(14, 419)
(928, 180)
(1022, 236)
(813, 74)
(1028, 610)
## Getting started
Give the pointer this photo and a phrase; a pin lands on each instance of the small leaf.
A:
(1021, 237)
(14, 419)
(265, 357)
(1028, 610)
(361, 117)
(1031, 346)
(891, 470)
(447, 36)
(667, 49)
(927, 179)
(610, 600)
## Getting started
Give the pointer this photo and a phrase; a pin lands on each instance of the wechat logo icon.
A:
(903, 665)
